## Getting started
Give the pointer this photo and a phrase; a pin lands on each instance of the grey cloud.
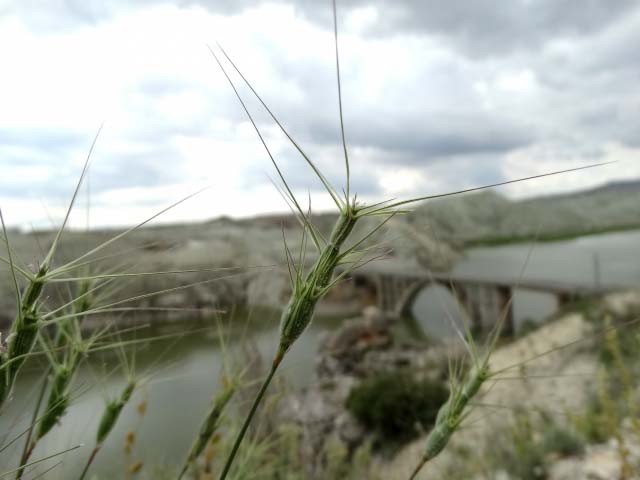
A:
(468, 171)
(486, 27)
(423, 137)
(145, 169)
(415, 138)
(59, 15)
(299, 175)
(592, 85)
(430, 137)
(590, 90)
(480, 27)
(50, 142)
(148, 169)
(395, 127)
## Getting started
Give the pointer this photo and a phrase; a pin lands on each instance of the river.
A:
(180, 374)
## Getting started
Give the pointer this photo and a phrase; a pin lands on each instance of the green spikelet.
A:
(299, 311)
(451, 415)
(209, 425)
(22, 337)
(58, 400)
(112, 413)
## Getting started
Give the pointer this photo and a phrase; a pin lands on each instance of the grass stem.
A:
(250, 415)
(27, 450)
(94, 452)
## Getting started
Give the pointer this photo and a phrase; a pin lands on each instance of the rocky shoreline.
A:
(562, 378)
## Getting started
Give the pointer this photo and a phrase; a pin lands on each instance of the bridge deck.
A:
(412, 271)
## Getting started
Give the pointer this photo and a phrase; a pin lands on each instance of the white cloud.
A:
(412, 103)
(522, 81)
(546, 158)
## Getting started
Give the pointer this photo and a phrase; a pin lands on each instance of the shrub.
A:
(528, 326)
(562, 442)
(396, 405)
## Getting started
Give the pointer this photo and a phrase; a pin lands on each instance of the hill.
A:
(488, 217)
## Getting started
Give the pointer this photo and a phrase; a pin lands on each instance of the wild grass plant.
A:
(309, 285)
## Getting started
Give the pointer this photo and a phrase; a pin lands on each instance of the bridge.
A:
(393, 287)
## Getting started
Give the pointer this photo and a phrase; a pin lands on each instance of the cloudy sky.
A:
(437, 96)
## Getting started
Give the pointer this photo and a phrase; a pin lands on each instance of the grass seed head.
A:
(299, 311)
(451, 415)
(20, 342)
(212, 421)
(209, 425)
(24, 332)
(112, 412)
(58, 399)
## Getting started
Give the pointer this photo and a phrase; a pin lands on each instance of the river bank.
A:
(497, 241)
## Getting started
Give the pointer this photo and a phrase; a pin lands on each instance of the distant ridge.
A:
(489, 217)
(483, 217)
(619, 186)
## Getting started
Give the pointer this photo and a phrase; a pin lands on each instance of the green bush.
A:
(396, 405)
(528, 326)
(562, 442)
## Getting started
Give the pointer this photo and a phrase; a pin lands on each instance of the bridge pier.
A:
(505, 306)
(564, 298)
(486, 306)
(393, 288)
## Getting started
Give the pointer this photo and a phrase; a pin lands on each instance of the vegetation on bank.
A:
(548, 237)
(397, 406)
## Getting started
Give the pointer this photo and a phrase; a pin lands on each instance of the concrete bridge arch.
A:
(394, 287)
(395, 296)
